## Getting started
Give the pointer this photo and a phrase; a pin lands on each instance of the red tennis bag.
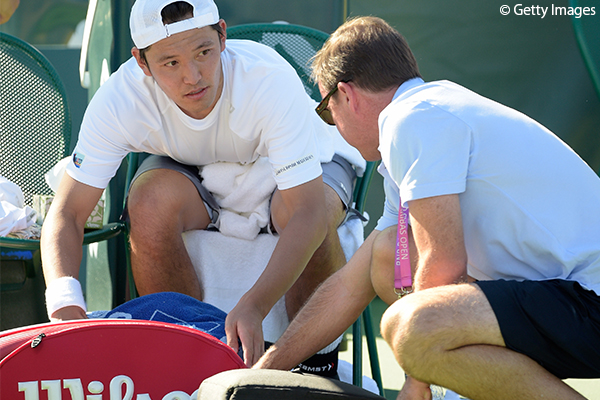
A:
(109, 360)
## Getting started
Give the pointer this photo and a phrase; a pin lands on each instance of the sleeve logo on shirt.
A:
(78, 159)
(293, 165)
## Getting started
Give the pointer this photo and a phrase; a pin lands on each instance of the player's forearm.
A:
(61, 247)
(327, 315)
(62, 231)
(61, 256)
(329, 312)
(297, 243)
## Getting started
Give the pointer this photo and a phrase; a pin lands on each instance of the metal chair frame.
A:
(31, 145)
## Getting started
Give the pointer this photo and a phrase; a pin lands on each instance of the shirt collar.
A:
(408, 85)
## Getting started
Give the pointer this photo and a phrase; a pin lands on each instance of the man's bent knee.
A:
(280, 215)
(414, 327)
(382, 265)
(166, 197)
(400, 332)
(423, 326)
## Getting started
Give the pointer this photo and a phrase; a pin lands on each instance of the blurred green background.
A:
(529, 63)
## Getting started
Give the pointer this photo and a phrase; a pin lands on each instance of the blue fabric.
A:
(175, 308)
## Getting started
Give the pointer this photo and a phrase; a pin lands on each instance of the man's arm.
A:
(438, 234)
(330, 311)
(62, 236)
(441, 255)
(305, 230)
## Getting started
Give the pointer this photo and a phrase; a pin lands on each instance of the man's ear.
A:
(223, 37)
(141, 62)
(349, 94)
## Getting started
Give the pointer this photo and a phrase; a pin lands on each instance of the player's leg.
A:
(164, 201)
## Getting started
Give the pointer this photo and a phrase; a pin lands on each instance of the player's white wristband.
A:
(64, 292)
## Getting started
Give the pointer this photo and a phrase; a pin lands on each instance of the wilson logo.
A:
(121, 387)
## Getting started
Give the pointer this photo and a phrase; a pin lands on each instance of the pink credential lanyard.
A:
(402, 272)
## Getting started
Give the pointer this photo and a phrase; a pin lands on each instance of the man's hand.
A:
(414, 390)
(68, 313)
(244, 323)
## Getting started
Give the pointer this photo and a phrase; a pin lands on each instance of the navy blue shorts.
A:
(554, 322)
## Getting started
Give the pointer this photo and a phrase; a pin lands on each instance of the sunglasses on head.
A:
(322, 110)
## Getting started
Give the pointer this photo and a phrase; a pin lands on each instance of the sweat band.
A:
(63, 292)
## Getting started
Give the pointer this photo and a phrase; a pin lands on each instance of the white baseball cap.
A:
(146, 23)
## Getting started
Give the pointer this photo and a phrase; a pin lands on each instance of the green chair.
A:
(298, 44)
(35, 133)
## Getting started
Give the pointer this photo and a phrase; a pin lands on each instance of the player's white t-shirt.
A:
(530, 205)
(263, 111)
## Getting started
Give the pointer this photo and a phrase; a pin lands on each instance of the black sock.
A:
(322, 364)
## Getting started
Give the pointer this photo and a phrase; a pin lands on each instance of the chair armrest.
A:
(107, 232)
(19, 244)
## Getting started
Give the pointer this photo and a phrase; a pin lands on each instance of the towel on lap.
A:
(229, 262)
(228, 267)
(244, 193)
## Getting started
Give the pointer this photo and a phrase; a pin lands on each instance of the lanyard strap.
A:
(402, 272)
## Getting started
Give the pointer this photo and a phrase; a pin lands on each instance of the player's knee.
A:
(143, 194)
(382, 265)
(157, 196)
(410, 327)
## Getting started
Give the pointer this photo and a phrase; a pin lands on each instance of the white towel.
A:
(228, 267)
(244, 193)
(14, 214)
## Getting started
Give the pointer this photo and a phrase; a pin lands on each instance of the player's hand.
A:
(244, 323)
(68, 313)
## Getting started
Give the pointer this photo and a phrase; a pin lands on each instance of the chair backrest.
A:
(297, 44)
(35, 124)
